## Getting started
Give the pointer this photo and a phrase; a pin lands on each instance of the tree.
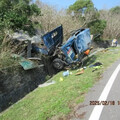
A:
(15, 15)
(115, 10)
(85, 11)
(97, 26)
(81, 5)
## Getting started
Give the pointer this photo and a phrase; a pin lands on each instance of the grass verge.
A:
(57, 99)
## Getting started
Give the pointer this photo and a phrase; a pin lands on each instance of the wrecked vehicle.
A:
(51, 47)
(67, 53)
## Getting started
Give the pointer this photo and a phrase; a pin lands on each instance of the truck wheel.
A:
(58, 64)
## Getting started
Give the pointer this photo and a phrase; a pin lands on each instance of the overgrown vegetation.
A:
(81, 14)
(14, 15)
(27, 16)
(6, 60)
(112, 18)
(51, 18)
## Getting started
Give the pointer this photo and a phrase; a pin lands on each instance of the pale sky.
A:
(99, 4)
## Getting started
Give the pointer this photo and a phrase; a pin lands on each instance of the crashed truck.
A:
(65, 53)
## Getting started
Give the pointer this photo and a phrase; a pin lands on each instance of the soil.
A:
(15, 83)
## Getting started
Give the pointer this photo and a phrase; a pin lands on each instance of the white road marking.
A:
(95, 115)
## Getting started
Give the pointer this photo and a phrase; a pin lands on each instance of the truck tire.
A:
(58, 64)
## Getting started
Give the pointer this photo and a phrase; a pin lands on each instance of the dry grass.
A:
(113, 21)
(5, 54)
(6, 60)
(51, 18)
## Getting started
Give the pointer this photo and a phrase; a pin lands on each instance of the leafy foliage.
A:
(15, 14)
(115, 10)
(84, 10)
(80, 4)
(97, 26)
(6, 60)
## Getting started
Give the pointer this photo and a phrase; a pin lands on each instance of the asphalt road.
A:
(106, 93)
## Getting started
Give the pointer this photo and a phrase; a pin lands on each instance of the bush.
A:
(97, 27)
(6, 60)
(16, 14)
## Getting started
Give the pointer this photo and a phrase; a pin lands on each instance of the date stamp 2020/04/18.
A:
(104, 102)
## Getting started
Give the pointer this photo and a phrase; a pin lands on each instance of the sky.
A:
(99, 4)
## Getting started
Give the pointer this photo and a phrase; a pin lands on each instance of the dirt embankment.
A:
(15, 83)
(102, 44)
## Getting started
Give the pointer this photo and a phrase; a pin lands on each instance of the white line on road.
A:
(98, 108)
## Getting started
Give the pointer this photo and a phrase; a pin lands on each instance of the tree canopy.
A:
(81, 4)
(97, 26)
(84, 10)
(15, 14)
(115, 10)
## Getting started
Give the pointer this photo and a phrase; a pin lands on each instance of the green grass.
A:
(59, 99)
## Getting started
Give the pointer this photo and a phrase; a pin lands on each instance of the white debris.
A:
(47, 83)
(24, 36)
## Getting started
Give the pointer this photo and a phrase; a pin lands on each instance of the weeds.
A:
(6, 60)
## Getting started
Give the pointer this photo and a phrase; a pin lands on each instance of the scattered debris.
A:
(15, 56)
(49, 82)
(80, 69)
(21, 36)
(28, 64)
(68, 53)
(96, 64)
(87, 52)
(105, 50)
(51, 46)
(96, 68)
(84, 67)
(70, 73)
(79, 73)
(61, 79)
(66, 73)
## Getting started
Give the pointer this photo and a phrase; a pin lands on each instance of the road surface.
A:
(103, 100)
